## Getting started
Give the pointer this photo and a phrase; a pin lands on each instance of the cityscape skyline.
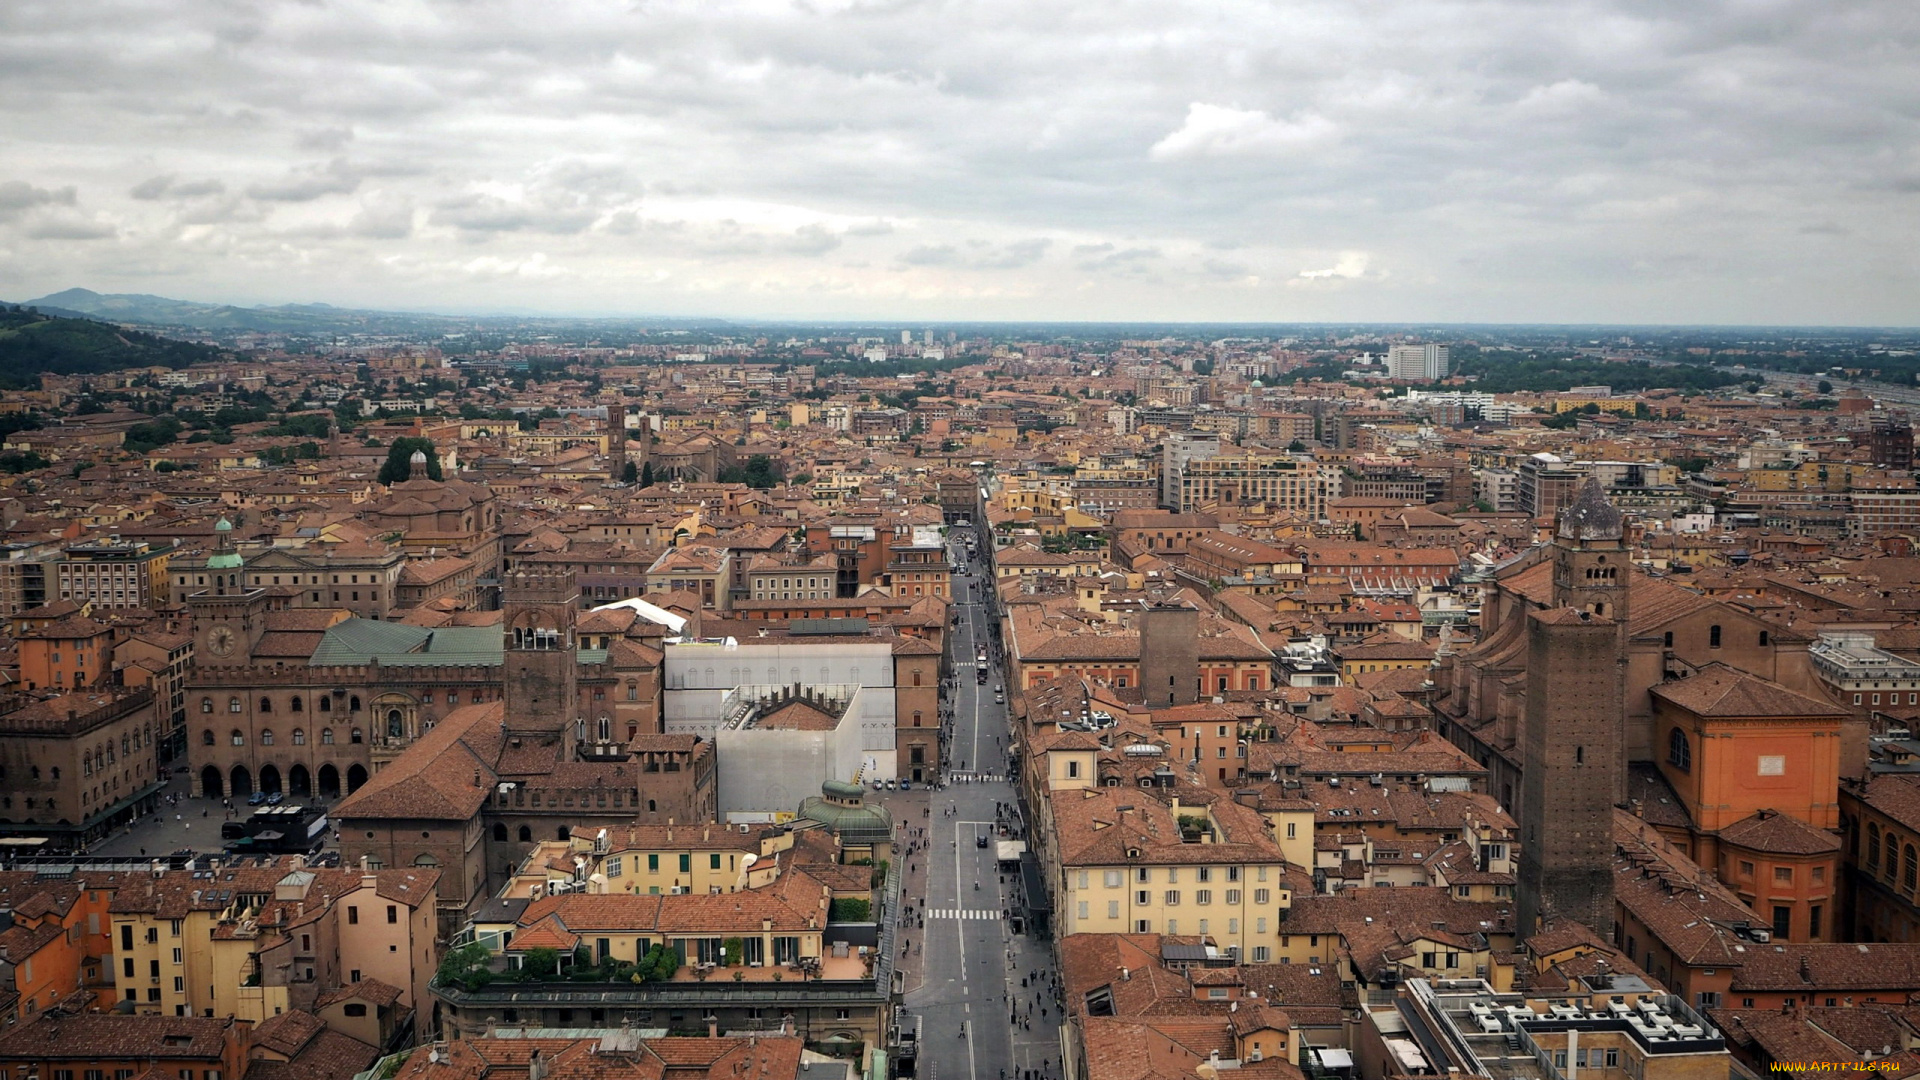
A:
(1593, 164)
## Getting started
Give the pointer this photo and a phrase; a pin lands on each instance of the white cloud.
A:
(493, 266)
(1560, 97)
(1220, 131)
(1350, 264)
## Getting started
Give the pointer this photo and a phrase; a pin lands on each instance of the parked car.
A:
(905, 784)
(258, 798)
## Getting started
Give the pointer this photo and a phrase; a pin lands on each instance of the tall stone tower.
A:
(1169, 655)
(1574, 738)
(541, 660)
(616, 441)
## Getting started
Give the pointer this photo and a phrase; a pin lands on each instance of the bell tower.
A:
(1590, 556)
(616, 441)
(1573, 743)
(540, 653)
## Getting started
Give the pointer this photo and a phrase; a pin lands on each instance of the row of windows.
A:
(129, 742)
(1144, 897)
(1892, 699)
(239, 738)
(353, 703)
(1782, 875)
(1111, 879)
(1261, 953)
(296, 704)
(616, 865)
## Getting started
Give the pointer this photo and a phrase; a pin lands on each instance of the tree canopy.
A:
(399, 463)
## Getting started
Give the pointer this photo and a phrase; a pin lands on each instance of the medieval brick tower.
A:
(1169, 655)
(616, 441)
(1574, 737)
(541, 662)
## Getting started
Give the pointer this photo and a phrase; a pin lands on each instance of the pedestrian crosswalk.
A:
(979, 914)
(976, 778)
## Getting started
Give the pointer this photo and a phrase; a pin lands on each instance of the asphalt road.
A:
(965, 982)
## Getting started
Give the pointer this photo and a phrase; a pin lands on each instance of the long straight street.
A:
(985, 994)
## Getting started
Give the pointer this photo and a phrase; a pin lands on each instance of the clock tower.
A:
(228, 617)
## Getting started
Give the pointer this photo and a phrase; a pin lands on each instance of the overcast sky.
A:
(1540, 161)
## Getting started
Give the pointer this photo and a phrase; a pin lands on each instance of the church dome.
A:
(419, 458)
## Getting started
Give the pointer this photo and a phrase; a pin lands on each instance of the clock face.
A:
(221, 641)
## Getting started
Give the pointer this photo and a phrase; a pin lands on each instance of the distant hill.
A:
(310, 320)
(34, 343)
(148, 310)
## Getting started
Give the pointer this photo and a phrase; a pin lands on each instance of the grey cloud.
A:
(168, 187)
(152, 188)
(308, 184)
(331, 139)
(931, 255)
(383, 219)
(1514, 161)
(811, 240)
(18, 195)
(197, 189)
(980, 254)
(490, 214)
(1015, 255)
(222, 210)
(1127, 259)
(68, 227)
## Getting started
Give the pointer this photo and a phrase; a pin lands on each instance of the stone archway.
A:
(299, 782)
(356, 776)
(270, 779)
(242, 782)
(329, 786)
(212, 784)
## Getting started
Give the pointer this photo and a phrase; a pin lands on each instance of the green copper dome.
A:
(224, 557)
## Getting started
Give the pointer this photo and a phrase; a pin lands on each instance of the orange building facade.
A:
(1757, 767)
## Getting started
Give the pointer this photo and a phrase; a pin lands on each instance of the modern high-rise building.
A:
(1180, 448)
(1890, 442)
(1417, 361)
(1546, 482)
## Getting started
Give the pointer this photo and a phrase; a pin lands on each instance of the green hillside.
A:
(32, 345)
